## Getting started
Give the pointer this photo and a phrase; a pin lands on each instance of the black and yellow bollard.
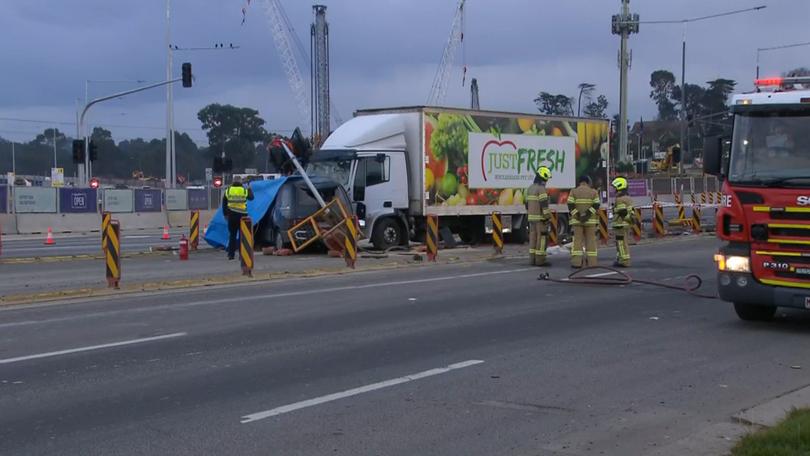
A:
(703, 199)
(696, 220)
(350, 243)
(194, 230)
(604, 234)
(636, 225)
(112, 254)
(553, 229)
(432, 237)
(681, 210)
(105, 223)
(658, 220)
(497, 232)
(246, 246)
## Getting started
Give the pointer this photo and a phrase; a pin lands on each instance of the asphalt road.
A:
(131, 241)
(476, 359)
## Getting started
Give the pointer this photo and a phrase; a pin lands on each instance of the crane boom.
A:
(283, 40)
(439, 88)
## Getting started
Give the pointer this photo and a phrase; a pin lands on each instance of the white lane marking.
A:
(602, 274)
(265, 296)
(137, 237)
(354, 392)
(92, 347)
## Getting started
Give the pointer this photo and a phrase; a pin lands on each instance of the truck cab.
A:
(377, 186)
(764, 215)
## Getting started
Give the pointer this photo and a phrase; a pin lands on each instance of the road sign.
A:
(57, 177)
(209, 174)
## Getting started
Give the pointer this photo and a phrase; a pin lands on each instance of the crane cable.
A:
(691, 283)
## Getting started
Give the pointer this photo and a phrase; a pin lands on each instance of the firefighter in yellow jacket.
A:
(583, 207)
(539, 214)
(623, 214)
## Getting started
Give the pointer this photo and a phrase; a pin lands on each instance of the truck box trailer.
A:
(400, 165)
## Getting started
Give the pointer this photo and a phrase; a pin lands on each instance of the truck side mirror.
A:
(713, 155)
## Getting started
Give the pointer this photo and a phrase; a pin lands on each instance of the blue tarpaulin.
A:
(264, 193)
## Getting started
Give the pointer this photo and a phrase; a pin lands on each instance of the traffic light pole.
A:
(86, 165)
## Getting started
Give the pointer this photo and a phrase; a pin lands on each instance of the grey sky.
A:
(383, 53)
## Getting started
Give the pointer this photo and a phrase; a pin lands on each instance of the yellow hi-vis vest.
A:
(237, 199)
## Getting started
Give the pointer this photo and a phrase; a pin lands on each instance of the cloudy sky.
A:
(383, 53)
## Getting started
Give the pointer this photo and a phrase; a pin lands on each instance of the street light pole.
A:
(170, 169)
(13, 160)
(683, 141)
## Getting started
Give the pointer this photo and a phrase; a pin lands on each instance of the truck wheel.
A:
(387, 233)
(472, 232)
(521, 235)
(750, 312)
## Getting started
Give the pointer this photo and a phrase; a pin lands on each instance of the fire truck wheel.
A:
(752, 312)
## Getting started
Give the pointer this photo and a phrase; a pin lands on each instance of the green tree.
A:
(597, 109)
(555, 105)
(664, 93)
(234, 131)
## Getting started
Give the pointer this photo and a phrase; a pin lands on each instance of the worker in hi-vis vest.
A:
(623, 215)
(234, 207)
(583, 208)
(539, 214)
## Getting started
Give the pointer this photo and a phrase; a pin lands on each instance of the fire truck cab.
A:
(764, 215)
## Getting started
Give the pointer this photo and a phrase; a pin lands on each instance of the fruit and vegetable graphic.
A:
(447, 179)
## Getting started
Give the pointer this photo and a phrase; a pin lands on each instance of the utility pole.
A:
(320, 75)
(54, 147)
(683, 103)
(623, 25)
(170, 165)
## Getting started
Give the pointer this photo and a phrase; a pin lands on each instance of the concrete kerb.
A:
(446, 258)
(770, 413)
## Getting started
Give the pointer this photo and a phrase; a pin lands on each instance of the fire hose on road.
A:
(611, 276)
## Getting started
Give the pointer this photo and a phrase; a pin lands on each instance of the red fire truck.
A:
(764, 214)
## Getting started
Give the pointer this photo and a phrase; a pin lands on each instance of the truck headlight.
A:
(732, 263)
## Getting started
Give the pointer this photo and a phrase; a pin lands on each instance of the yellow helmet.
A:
(619, 184)
(544, 173)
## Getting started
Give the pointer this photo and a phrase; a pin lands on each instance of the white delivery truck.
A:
(400, 165)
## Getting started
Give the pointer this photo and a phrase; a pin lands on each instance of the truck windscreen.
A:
(771, 148)
(337, 170)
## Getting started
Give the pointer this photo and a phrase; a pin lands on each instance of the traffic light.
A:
(186, 74)
(93, 151)
(94, 183)
(78, 151)
(676, 154)
(217, 181)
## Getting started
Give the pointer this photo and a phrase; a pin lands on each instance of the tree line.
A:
(239, 132)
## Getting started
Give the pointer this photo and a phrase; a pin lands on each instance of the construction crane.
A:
(439, 88)
(283, 38)
(474, 102)
(287, 44)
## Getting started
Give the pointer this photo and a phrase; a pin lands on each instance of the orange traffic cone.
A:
(49, 240)
(165, 236)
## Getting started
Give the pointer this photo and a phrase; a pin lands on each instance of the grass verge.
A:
(791, 437)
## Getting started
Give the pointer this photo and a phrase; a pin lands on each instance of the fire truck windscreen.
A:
(770, 147)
